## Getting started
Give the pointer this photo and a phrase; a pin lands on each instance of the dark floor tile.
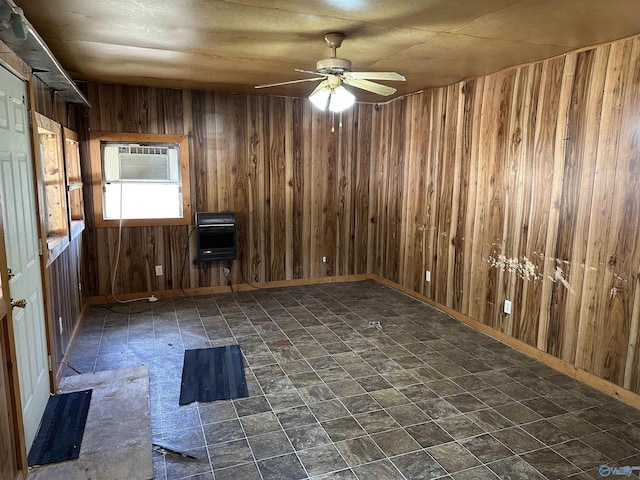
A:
(609, 445)
(286, 467)
(251, 406)
(358, 451)
(229, 454)
(581, 455)
(515, 468)
(316, 393)
(381, 470)
(373, 383)
(465, 402)
(328, 410)
(573, 425)
(490, 420)
(601, 419)
(390, 398)
(518, 413)
(307, 436)
(223, 431)
(418, 393)
(544, 407)
(460, 426)
(518, 440)
(284, 400)
(322, 459)
(428, 434)
(547, 433)
(216, 411)
(346, 388)
(408, 414)
(247, 471)
(177, 467)
(445, 387)
(342, 429)
(296, 417)
(517, 391)
(260, 423)
(486, 448)
(438, 408)
(305, 379)
(271, 444)
(477, 473)
(453, 457)
(549, 463)
(376, 421)
(395, 442)
(418, 466)
(628, 433)
(360, 404)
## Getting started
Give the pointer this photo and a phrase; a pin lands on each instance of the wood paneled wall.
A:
(523, 185)
(300, 190)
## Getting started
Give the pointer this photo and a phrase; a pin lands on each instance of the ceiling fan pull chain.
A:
(333, 122)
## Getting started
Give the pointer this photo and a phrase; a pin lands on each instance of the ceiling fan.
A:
(334, 72)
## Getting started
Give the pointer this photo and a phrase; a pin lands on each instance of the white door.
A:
(21, 239)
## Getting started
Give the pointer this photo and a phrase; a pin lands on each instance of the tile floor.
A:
(334, 396)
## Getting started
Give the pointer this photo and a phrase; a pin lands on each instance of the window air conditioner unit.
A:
(140, 163)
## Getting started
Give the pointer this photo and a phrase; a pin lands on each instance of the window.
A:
(142, 179)
(51, 176)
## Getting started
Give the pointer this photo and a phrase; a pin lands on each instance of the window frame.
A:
(95, 139)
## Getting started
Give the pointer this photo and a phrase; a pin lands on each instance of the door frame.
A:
(13, 400)
(15, 65)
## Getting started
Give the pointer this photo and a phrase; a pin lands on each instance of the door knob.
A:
(22, 303)
(10, 273)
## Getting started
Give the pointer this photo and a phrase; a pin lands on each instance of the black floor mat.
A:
(210, 374)
(61, 429)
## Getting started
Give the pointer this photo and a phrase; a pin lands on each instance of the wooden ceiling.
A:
(234, 45)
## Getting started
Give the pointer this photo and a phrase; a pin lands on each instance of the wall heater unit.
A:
(216, 236)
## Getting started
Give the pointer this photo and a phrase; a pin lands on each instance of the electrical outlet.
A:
(324, 259)
(60, 325)
(507, 307)
(427, 276)
(158, 270)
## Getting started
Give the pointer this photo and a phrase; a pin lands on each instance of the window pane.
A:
(142, 200)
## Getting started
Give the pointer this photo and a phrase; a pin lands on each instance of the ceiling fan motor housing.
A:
(333, 65)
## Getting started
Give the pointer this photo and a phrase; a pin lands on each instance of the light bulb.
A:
(319, 98)
(341, 99)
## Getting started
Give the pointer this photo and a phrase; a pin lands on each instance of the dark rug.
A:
(61, 429)
(210, 374)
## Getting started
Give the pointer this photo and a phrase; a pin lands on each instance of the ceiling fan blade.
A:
(289, 83)
(377, 76)
(312, 73)
(369, 86)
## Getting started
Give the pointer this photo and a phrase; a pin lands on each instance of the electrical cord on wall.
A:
(152, 298)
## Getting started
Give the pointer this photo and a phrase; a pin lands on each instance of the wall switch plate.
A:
(324, 259)
(507, 307)
(427, 276)
(158, 270)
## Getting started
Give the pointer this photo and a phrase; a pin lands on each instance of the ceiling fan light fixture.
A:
(341, 99)
(320, 98)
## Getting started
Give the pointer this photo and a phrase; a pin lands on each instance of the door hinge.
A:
(40, 246)
(49, 360)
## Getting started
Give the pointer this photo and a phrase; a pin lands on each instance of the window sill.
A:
(77, 226)
(56, 245)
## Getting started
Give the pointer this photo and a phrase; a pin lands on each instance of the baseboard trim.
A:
(240, 287)
(62, 366)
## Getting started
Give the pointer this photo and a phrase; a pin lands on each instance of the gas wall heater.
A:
(216, 236)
